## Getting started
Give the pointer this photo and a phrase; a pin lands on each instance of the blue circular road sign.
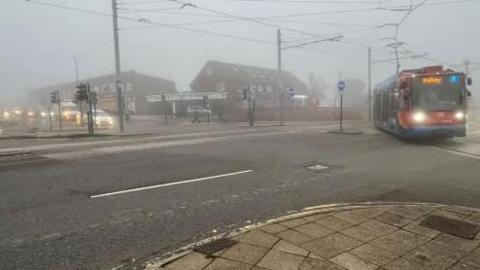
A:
(341, 85)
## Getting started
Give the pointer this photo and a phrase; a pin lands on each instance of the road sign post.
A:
(341, 87)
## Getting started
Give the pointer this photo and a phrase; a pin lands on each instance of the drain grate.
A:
(215, 246)
(451, 226)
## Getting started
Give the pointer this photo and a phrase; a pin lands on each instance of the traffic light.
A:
(54, 97)
(81, 94)
(245, 93)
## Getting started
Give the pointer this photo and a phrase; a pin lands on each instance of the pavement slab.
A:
(365, 242)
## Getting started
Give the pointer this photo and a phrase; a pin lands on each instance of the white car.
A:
(102, 118)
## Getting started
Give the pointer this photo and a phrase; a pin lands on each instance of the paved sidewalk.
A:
(361, 236)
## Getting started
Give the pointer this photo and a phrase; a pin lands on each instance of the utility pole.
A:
(280, 75)
(369, 84)
(59, 103)
(75, 64)
(467, 67)
(50, 118)
(117, 67)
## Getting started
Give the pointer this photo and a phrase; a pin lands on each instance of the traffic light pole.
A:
(59, 110)
(117, 67)
(50, 118)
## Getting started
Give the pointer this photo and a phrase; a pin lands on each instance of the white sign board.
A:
(187, 96)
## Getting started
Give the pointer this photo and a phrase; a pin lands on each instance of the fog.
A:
(39, 42)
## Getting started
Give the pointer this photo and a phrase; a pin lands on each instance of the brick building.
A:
(136, 87)
(221, 76)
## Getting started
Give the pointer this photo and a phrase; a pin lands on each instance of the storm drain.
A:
(451, 226)
(215, 246)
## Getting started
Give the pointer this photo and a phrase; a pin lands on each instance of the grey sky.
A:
(39, 42)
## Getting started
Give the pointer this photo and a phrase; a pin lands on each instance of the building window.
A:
(269, 88)
(220, 86)
(209, 71)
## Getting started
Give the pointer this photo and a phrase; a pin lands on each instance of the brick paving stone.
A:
(378, 227)
(295, 222)
(360, 233)
(294, 237)
(439, 249)
(463, 266)
(334, 223)
(374, 254)
(238, 237)
(408, 212)
(449, 214)
(192, 261)
(319, 264)
(352, 217)
(424, 256)
(332, 245)
(369, 212)
(273, 228)
(290, 248)
(259, 238)
(475, 219)
(457, 242)
(393, 219)
(245, 253)
(399, 242)
(223, 264)
(281, 261)
(459, 210)
(416, 228)
(403, 264)
(352, 262)
(473, 258)
(316, 217)
(313, 230)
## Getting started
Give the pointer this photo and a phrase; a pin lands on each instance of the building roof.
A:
(124, 76)
(237, 72)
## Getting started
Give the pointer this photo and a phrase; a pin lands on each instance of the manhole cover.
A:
(316, 167)
(451, 226)
(214, 246)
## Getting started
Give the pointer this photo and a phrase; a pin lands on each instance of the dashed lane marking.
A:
(170, 184)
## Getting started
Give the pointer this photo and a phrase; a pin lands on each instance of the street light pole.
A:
(280, 75)
(369, 84)
(75, 63)
(117, 67)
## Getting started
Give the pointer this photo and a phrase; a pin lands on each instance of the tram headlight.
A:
(419, 117)
(459, 115)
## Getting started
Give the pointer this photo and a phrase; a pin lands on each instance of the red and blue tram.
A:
(422, 103)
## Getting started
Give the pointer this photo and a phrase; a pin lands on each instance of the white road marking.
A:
(458, 153)
(169, 184)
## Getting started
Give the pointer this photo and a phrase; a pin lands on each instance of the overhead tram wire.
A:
(165, 25)
(253, 20)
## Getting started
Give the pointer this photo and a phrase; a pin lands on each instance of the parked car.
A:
(102, 119)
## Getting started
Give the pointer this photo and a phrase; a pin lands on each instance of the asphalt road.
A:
(48, 219)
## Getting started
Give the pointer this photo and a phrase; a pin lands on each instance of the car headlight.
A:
(30, 113)
(6, 114)
(419, 117)
(459, 115)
